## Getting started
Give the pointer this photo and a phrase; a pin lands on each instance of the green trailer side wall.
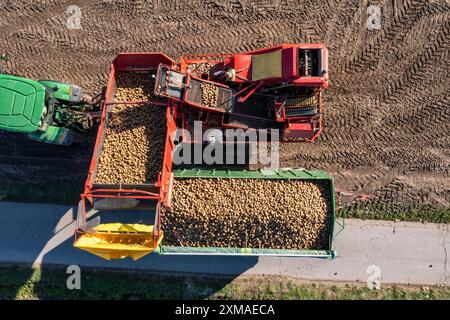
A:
(284, 174)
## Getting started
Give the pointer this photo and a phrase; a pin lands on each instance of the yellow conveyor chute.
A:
(118, 241)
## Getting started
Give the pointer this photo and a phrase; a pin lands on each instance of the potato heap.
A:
(256, 213)
(209, 94)
(134, 142)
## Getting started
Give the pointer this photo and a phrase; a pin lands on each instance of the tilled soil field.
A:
(387, 114)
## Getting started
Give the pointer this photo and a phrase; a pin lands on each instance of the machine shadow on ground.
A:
(48, 243)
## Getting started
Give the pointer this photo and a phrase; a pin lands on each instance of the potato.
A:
(199, 68)
(135, 136)
(256, 213)
(209, 94)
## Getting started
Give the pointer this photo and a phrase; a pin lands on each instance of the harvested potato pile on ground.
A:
(209, 94)
(256, 213)
(134, 142)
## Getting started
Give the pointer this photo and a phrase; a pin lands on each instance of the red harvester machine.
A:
(278, 87)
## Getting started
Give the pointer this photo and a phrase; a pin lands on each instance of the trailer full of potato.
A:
(249, 213)
(133, 147)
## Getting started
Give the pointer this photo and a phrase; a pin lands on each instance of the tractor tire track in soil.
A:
(387, 113)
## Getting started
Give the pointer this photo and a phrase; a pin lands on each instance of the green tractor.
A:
(44, 110)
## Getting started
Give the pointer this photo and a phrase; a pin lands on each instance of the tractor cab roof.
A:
(21, 103)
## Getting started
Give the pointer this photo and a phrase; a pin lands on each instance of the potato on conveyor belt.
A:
(210, 93)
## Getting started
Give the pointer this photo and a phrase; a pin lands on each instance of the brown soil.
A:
(387, 114)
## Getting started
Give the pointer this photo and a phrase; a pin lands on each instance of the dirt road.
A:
(387, 117)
